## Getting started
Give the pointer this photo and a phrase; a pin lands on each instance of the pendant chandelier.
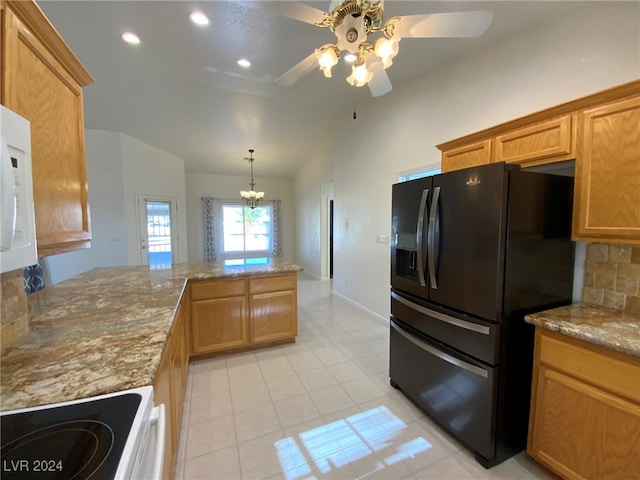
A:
(251, 197)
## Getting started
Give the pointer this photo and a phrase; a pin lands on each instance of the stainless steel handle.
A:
(431, 238)
(440, 354)
(423, 205)
(441, 316)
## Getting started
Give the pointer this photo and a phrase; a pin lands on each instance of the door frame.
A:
(141, 213)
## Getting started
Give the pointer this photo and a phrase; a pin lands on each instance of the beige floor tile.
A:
(305, 361)
(363, 390)
(219, 465)
(244, 376)
(276, 368)
(331, 356)
(210, 435)
(207, 407)
(317, 378)
(284, 387)
(331, 399)
(249, 397)
(447, 468)
(256, 422)
(296, 409)
(346, 371)
(259, 458)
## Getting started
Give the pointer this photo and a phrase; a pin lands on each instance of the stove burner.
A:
(92, 442)
(79, 441)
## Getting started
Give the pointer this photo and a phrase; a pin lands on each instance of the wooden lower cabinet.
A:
(232, 314)
(274, 305)
(585, 409)
(170, 383)
(219, 316)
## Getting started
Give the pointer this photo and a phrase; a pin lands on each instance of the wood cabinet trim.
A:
(583, 103)
(37, 23)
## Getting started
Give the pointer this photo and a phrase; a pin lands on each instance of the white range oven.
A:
(113, 436)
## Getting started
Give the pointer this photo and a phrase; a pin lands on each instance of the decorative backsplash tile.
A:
(14, 314)
(612, 276)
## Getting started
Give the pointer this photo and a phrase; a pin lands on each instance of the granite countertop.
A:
(103, 331)
(603, 326)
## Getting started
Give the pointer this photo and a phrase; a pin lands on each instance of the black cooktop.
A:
(78, 441)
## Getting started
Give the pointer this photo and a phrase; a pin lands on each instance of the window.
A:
(419, 174)
(246, 232)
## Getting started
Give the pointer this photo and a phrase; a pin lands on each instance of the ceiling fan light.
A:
(386, 49)
(327, 58)
(360, 75)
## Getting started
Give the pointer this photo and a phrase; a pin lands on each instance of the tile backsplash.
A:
(612, 276)
(14, 313)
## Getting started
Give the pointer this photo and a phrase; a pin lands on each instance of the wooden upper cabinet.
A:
(42, 81)
(467, 156)
(551, 140)
(608, 173)
(601, 132)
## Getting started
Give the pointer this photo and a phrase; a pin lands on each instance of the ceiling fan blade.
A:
(379, 84)
(290, 9)
(295, 73)
(452, 24)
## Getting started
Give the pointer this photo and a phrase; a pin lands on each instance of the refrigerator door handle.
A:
(458, 322)
(431, 253)
(439, 353)
(423, 206)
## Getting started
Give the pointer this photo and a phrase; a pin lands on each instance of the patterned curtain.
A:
(277, 233)
(207, 225)
(33, 278)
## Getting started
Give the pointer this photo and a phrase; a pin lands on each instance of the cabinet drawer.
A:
(217, 289)
(272, 284)
(552, 138)
(612, 372)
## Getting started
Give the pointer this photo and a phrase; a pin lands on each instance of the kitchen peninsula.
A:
(105, 330)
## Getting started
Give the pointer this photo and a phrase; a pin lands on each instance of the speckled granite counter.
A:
(103, 331)
(609, 328)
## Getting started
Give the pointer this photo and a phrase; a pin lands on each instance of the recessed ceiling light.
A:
(131, 38)
(244, 63)
(199, 18)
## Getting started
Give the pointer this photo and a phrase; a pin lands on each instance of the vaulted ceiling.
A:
(180, 89)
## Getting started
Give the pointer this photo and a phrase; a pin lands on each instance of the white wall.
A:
(228, 187)
(119, 167)
(311, 218)
(592, 50)
(149, 171)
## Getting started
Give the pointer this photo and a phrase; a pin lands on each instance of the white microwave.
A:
(17, 220)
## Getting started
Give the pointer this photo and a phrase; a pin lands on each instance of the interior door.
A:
(468, 220)
(409, 212)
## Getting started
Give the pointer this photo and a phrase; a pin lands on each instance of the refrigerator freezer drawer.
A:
(456, 392)
(477, 338)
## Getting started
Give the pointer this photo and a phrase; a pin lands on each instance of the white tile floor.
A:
(320, 408)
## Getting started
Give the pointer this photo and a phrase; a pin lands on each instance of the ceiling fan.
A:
(355, 23)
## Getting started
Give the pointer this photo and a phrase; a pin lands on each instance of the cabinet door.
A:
(218, 324)
(607, 203)
(544, 142)
(467, 156)
(162, 394)
(37, 86)
(273, 316)
(582, 432)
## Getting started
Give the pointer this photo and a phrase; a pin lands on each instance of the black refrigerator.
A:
(473, 251)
